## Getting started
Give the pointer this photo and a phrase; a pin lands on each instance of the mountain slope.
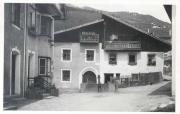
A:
(76, 16)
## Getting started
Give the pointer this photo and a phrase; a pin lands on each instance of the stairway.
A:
(94, 88)
(91, 87)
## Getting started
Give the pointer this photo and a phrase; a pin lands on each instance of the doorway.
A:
(15, 73)
(31, 66)
(107, 77)
(89, 77)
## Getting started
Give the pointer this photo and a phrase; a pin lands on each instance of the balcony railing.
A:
(89, 37)
(122, 45)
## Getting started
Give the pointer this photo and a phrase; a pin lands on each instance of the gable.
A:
(126, 32)
(73, 34)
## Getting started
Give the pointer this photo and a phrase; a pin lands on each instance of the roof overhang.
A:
(51, 9)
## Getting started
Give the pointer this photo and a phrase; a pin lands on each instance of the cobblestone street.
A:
(126, 99)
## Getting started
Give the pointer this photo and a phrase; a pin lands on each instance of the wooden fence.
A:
(140, 79)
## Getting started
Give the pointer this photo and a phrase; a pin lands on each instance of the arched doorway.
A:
(89, 77)
(87, 72)
(15, 71)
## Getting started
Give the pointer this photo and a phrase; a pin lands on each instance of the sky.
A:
(157, 11)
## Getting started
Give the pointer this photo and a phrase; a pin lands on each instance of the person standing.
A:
(99, 84)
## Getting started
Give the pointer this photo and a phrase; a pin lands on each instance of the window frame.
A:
(148, 64)
(50, 28)
(94, 58)
(47, 66)
(70, 74)
(132, 63)
(40, 66)
(32, 17)
(13, 20)
(114, 63)
(62, 59)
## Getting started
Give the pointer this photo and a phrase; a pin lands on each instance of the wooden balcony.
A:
(122, 45)
(86, 37)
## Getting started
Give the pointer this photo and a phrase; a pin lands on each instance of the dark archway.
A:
(89, 77)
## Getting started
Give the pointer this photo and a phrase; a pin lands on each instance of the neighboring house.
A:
(107, 47)
(28, 44)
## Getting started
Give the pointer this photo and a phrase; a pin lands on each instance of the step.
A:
(10, 107)
(68, 90)
(45, 95)
(10, 98)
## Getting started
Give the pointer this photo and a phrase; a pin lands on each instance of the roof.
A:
(135, 28)
(117, 20)
(51, 9)
(80, 26)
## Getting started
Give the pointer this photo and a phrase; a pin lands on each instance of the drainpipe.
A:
(52, 55)
(25, 50)
(25, 43)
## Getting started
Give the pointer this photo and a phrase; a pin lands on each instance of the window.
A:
(117, 75)
(65, 75)
(46, 25)
(132, 59)
(112, 58)
(32, 23)
(66, 55)
(16, 14)
(32, 16)
(151, 60)
(90, 55)
(44, 66)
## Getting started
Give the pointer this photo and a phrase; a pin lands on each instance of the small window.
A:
(90, 55)
(151, 60)
(112, 59)
(117, 75)
(132, 59)
(16, 14)
(65, 75)
(66, 55)
(44, 66)
(46, 25)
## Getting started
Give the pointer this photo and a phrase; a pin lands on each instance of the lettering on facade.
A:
(89, 37)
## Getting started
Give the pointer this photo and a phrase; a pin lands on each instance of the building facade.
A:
(28, 44)
(107, 47)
